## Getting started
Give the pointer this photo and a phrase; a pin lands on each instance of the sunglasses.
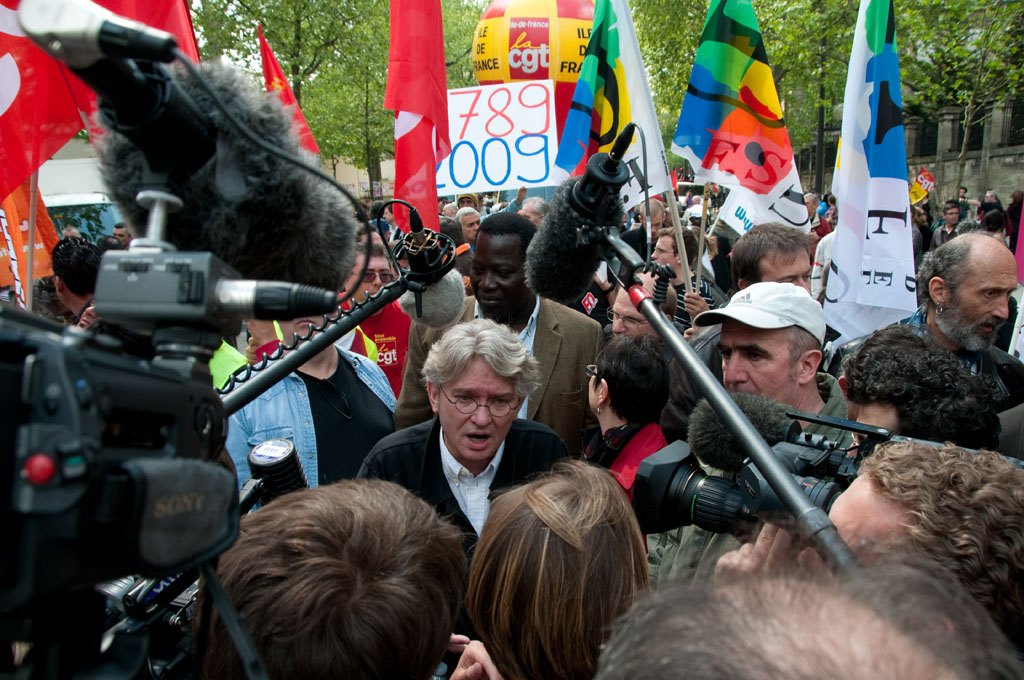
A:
(384, 275)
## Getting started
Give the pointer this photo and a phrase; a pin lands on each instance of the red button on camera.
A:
(39, 469)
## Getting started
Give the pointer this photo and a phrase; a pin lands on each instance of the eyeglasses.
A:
(591, 370)
(499, 408)
(384, 275)
(627, 321)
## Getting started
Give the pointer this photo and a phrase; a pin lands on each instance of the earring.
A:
(598, 410)
(938, 309)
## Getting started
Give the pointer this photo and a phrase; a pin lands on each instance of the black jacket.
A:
(412, 458)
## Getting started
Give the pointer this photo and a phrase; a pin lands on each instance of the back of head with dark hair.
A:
(886, 621)
(510, 224)
(994, 222)
(77, 263)
(764, 240)
(935, 395)
(358, 579)
(637, 377)
(375, 208)
(106, 243)
(451, 228)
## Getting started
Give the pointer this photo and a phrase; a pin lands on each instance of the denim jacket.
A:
(283, 412)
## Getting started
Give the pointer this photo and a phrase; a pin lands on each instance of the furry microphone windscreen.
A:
(264, 216)
(714, 443)
(557, 267)
(442, 301)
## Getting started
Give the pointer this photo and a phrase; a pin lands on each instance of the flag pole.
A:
(677, 227)
(703, 229)
(33, 200)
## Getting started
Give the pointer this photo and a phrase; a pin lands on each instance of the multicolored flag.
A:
(417, 92)
(730, 127)
(871, 281)
(14, 214)
(274, 78)
(612, 91)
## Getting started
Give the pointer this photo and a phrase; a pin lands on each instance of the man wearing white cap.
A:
(771, 341)
(771, 346)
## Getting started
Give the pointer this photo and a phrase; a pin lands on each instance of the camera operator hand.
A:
(475, 664)
(775, 550)
(88, 317)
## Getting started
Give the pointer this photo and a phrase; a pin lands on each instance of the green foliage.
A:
(952, 52)
(335, 54)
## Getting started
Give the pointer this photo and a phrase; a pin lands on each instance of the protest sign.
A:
(503, 137)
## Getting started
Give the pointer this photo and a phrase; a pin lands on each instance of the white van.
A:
(74, 194)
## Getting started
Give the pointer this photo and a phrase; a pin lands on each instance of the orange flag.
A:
(14, 244)
(275, 80)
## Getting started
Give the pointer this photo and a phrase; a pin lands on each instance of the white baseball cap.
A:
(769, 305)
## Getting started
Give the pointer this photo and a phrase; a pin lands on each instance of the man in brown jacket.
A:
(562, 340)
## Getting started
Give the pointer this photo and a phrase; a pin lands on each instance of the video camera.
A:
(673, 490)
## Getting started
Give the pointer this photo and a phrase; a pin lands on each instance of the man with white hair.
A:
(477, 377)
(469, 220)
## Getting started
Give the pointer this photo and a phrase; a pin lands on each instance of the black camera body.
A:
(109, 465)
(673, 490)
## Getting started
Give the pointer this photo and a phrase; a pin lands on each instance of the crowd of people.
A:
(469, 512)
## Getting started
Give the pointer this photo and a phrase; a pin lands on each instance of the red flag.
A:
(42, 105)
(275, 80)
(417, 92)
(675, 180)
(172, 16)
(14, 241)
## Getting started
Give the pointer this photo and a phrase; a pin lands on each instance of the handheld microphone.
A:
(276, 462)
(80, 33)
(714, 443)
(443, 302)
(563, 256)
(431, 278)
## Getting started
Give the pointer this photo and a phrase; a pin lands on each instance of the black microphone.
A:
(79, 33)
(272, 299)
(436, 296)
(262, 215)
(713, 442)
(563, 256)
(276, 462)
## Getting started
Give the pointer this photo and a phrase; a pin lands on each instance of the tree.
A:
(963, 54)
(336, 55)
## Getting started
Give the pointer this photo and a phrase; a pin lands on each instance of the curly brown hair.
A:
(968, 514)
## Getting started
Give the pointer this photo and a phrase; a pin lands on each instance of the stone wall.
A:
(996, 167)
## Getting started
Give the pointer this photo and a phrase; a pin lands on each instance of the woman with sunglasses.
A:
(628, 389)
